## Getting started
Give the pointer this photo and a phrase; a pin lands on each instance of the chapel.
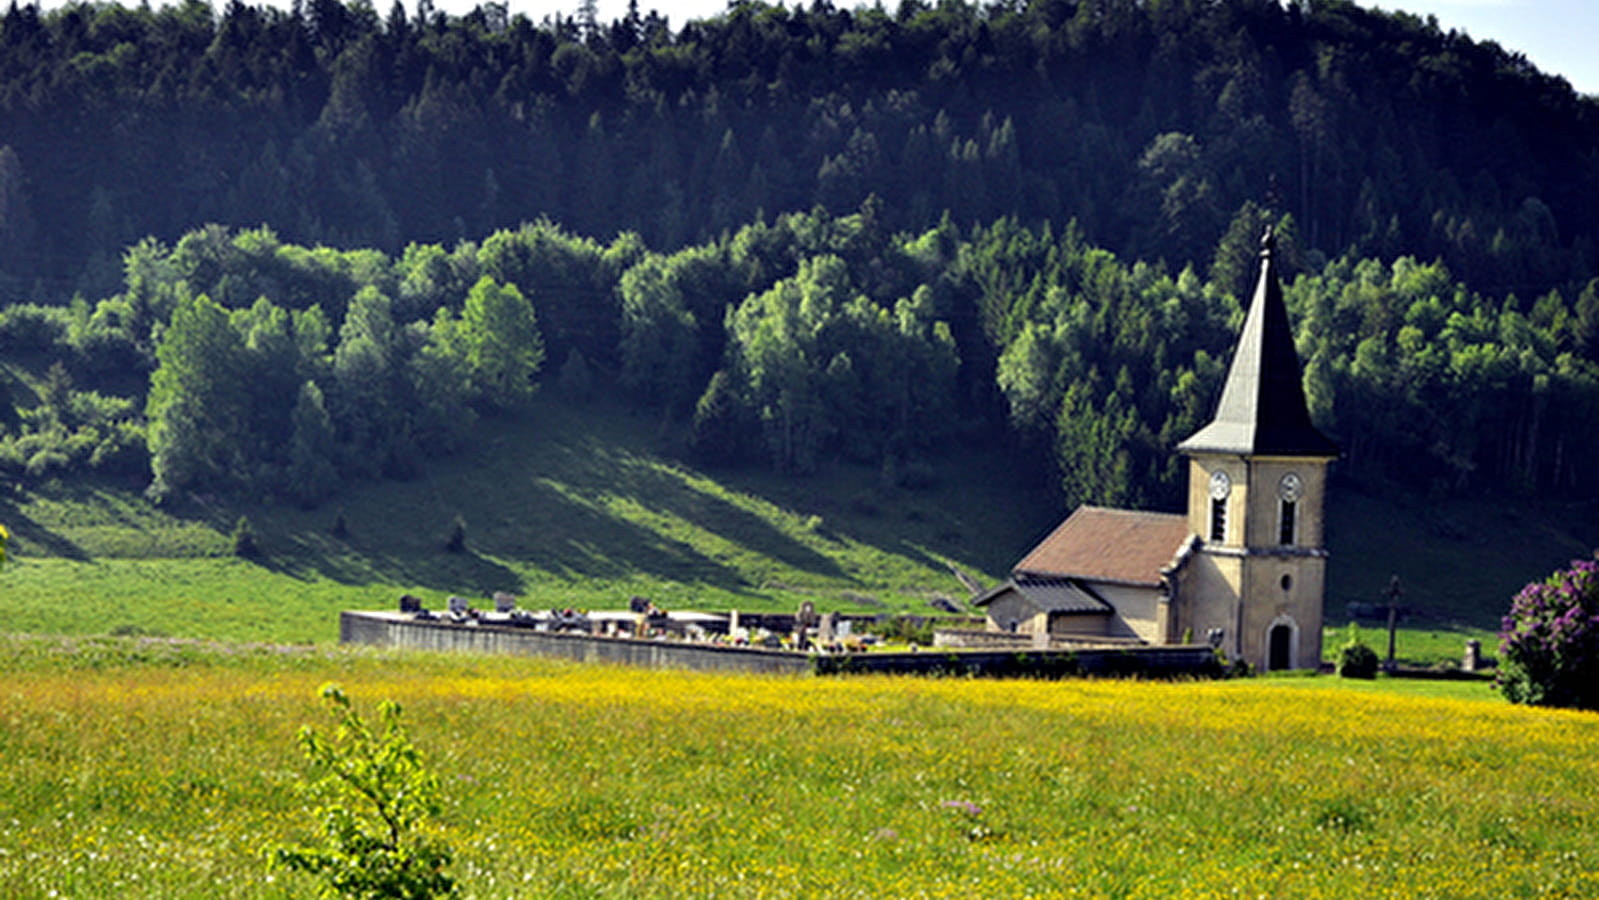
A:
(1243, 569)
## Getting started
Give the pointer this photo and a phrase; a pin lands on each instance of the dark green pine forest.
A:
(259, 252)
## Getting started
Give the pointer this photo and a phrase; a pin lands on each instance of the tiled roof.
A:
(1262, 409)
(1116, 545)
(1048, 594)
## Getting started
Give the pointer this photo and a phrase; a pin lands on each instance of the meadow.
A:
(162, 769)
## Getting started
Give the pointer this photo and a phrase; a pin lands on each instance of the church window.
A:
(1286, 515)
(1220, 487)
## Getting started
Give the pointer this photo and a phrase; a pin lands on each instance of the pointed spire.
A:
(1262, 410)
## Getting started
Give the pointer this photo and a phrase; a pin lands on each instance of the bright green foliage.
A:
(311, 474)
(660, 336)
(374, 799)
(1111, 363)
(373, 407)
(1355, 658)
(196, 398)
(442, 384)
(503, 346)
(573, 279)
(5, 538)
(776, 338)
(824, 369)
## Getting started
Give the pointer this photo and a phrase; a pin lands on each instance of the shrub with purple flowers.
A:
(1549, 642)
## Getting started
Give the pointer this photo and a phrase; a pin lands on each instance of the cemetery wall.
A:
(397, 630)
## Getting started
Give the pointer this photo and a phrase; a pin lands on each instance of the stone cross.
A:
(1392, 595)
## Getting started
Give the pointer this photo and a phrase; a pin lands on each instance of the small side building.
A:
(1099, 574)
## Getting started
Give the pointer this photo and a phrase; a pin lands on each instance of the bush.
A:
(244, 545)
(577, 382)
(1549, 642)
(1355, 659)
(374, 800)
(455, 541)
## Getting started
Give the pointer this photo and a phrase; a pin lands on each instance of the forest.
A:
(265, 251)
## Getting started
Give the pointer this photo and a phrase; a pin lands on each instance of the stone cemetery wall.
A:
(400, 630)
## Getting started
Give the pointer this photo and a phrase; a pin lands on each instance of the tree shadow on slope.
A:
(598, 473)
(467, 572)
(979, 516)
(32, 539)
(398, 537)
(29, 538)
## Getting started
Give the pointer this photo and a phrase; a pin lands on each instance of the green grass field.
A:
(154, 769)
(586, 508)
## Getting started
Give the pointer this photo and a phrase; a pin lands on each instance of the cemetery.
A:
(804, 642)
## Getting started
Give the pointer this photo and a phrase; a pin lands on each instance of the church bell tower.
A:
(1257, 480)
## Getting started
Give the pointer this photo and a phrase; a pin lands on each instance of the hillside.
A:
(584, 507)
(566, 507)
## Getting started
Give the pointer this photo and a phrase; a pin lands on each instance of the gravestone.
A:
(826, 627)
(410, 603)
(1473, 660)
(458, 605)
(806, 617)
(503, 602)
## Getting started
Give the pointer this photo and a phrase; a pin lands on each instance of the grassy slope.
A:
(562, 507)
(581, 508)
(1459, 561)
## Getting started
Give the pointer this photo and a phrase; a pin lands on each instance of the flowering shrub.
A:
(1549, 642)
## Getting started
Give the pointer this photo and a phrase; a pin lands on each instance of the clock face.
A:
(1220, 486)
(1290, 488)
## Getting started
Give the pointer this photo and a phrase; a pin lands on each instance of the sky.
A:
(1559, 36)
